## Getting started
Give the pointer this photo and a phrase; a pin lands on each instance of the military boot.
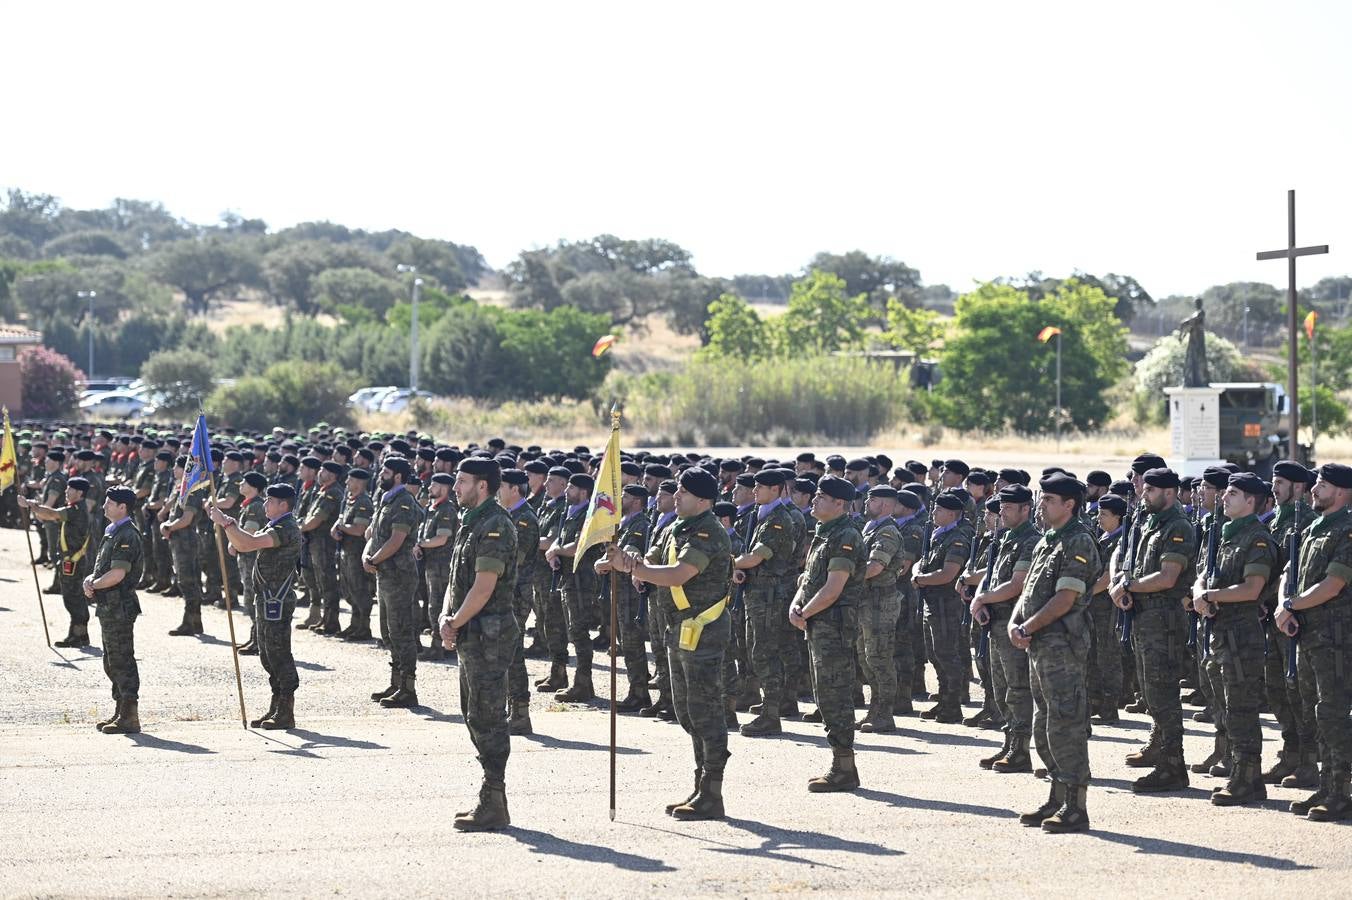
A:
(978, 718)
(285, 717)
(988, 761)
(267, 716)
(55, 586)
(250, 647)
(312, 618)
(78, 637)
(635, 700)
(652, 709)
(707, 802)
(1245, 785)
(763, 725)
(814, 716)
(788, 708)
(730, 714)
(394, 686)
(1072, 816)
(948, 714)
(406, 697)
(1336, 804)
(1303, 807)
(1218, 751)
(1017, 759)
(1107, 714)
(491, 813)
(843, 776)
(1136, 706)
(360, 629)
(880, 720)
(1287, 763)
(519, 723)
(1055, 800)
(1306, 774)
(330, 624)
(117, 707)
(557, 679)
(128, 720)
(1148, 756)
(581, 691)
(191, 624)
(699, 773)
(1170, 775)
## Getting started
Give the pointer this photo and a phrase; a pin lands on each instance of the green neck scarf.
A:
(1234, 526)
(468, 516)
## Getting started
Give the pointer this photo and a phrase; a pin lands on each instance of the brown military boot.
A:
(1218, 751)
(988, 761)
(128, 720)
(843, 776)
(978, 718)
(491, 813)
(1288, 760)
(267, 716)
(581, 691)
(406, 697)
(1055, 800)
(389, 691)
(285, 717)
(763, 725)
(1017, 759)
(1336, 804)
(117, 708)
(1148, 756)
(312, 618)
(1245, 785)
(556, 681)
(699, 773)
(707, 802)
(519, 723)
(1170, 775)
(1072, 816)
(880, 720)
(1306, 774)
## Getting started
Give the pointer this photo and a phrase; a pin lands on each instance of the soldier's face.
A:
(1055, 509)
(1208, 496)
(1107, 520)
(879, 506)
(1157, 499)
(73, 496)
(944, 516)
(1327, 498)
(665, 502)
(469, 491)
(826, 507)
(1014, 514)
(355, 486)
(950, 478)
(554, 485)
(1281, 490)
(575, 495)
(113, 511)
(1237, 504)
(274, 508)
(742, 495)
(763, 494)
(687, 504)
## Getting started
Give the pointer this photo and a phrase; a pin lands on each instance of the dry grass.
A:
(246, 311)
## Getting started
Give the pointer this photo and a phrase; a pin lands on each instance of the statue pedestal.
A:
(1194, 429)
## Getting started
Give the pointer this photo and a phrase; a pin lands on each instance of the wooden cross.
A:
(1290, 254)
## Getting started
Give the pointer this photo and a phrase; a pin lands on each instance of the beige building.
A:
(14, 339)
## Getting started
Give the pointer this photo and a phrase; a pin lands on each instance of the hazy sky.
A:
(968, 139)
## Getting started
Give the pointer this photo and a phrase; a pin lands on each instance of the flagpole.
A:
(1058, 390)
(1314, 395)
(225, 575)
(614, 576)
(8, 439)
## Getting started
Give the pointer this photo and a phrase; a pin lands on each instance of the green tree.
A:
(735, 330)
(549, 354)
(879, 278)
(996, 375)
(461, 353)
(205, 268)
(294, 394)
(822, 317)
(442, 260)
(182, 378)
(1334, 352)
(1332, 412)
(355, 294)
(915, 330)
(1224, 305)
(50, 383)
(290, 270)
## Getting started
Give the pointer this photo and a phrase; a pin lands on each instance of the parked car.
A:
(119, 404)
(398, 400)
(368, 398)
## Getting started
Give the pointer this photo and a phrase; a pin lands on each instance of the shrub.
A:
(181, 377)
(50, 383)
(293, 394)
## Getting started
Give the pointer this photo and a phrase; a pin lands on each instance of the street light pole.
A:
(89, 320)
(413, 329)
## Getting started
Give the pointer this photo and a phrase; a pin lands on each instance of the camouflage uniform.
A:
(357, 582)
(1066, 559)
(943, 611)
(550, 626)
(117, 607)
(769, 588)
(440, 520)
(1009, 665)
(832, 633)
(912, 536)
(1105, 652)
(486, 542)
(658, 599)
(527, 552)
(396, 581)
(252, 519)
(579, 589)
(53, 494)
(74, 539)
(161, 494)
(229, 489)
(183, 546)
(274, 581)
(879, 610)
(1283, 695)
(144, 518)
(632, 536)
(322, 575)
(795, 656)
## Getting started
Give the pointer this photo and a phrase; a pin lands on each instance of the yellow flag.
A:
(8, 458)
(603, 514)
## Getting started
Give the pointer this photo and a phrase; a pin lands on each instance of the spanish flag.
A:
(1048, 333)
(1309, 324)
(8, 458)
(603, 515)
(603, 343)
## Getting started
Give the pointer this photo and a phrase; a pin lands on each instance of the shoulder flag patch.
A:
(701, 534)
(1176, 539)
(493, 534)
(1260, 543)
(846, 547)
(1081, 558)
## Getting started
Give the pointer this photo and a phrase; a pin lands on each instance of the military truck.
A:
(1255, 425)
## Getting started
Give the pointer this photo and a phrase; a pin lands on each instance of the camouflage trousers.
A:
(878, 614)
(1237, 655)
(1283, 695)
(579, 609)
(396, 586)
(72, 593)
(550, 628)
(1105, 653)
(657, 637)
(944, 643)
(1323, 666)
(736, 664)
(1056, 663)
(518, 686)
(1010, 674)
(319, 575)
(630, 640)
(358, 584)
(119, 653)
(485, 649)
(697, 690)
(436, 579)
(274, 646)
(970, 653)
(1159, 632)
(208, 562)
(771, 637)
(161, 553)
(903, 647)
(187, 571)
(831, 638)
(246, 598)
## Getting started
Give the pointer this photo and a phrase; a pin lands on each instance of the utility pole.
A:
(413, 329)
(89, 322)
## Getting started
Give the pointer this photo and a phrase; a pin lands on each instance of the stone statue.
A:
(1193, 330)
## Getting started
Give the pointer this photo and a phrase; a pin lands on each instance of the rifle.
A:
(924, 552)
(1212, 548)
(1127, 615)
(739, 593)
(1293, 554)
(965, 620)
(983, 647)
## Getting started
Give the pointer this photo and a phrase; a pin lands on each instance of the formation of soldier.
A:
(745, 585)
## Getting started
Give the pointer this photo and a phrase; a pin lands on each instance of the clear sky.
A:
(968, 139)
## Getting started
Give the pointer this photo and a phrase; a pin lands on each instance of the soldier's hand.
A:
(448, 634)
(1286, 621)
(977, 609)
(796, 618)
(601, 566)
(22, 501)
(738, 576)
(335, 533)
(417, 551)
(1017, 640)
(88, 586)
(231, 550)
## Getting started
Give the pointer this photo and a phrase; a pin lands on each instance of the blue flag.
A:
(199, 460)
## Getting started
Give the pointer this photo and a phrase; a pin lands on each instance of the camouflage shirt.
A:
(485, 542)
(440, 520)
(229, 490)
(774, 540)
(882, 545)
(357, 510)
(1326, 549)
(948, 545)
(74, 532)
(1014, 553)
(1167, 537)
(397, 512)
(837, 546)
(1246, 549)
(912, 534)
(274, 565)
(120, 548)
(1065, 559)
(527, 541)
(702, 542)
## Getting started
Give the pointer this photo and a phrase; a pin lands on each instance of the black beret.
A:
(916, 467)
(560, 472)
(86, 455)
(755, 462)
(804, 485)
(281, 491)
(961, 494)
(331, 466)
(60, 456)
(636, 490)
(399, 466)
(1145, 462)
(724, 509)
(631, 468)
(857, 465)
(1216, 476)
(292, 460)
(657, 470)
(887, 492)
(909, 499)
(1098, 478)
(1161, 477)
(957, 465)
(1336, 474)
(311, 461)
(948, 500)
(235, 456)
(993, 505)
(1187, 482)
(667, 487)
(1114, 504)
(256, 480)
(1061, 484)
(772, 477)
(584, 481)
(746, 481)
(1250, 483)
(977, 476)
(839, 488)
(731, 465)
(442, 478)
(359, 473)
(1121, 488)
(835, 461)
(902, 474)
(399, 445)
(427, 454)
(181, 461)
(124, 495)
(807, 457)
(1292, 471)
(700, 483)
(163, 454)
(273, 456)
(479, 467)
(1015, 493)
(80, 484)
(536, 467)
(515, 476)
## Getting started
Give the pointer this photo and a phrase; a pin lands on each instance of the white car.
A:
(368, 398)
(397, 401)
(118, 404)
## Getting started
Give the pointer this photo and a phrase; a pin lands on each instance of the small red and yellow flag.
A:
(1309, 324)
(1048, 333)
(603, 343)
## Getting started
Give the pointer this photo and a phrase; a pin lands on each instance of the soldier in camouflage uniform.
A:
(1155, 591)
(995, 605)
(208, 561)
(350, 532)
(318, 511)
(936, 574)
(979, 562)
(111, 585)
(1244, 564)
(157, 509)
(277, 550)
(578, 586)
(1051, 624)
(252, 517)
(912, 536)
(478, 621)
(228, 499)
(658, 599)
(1321, 610)
(514, 498)
(143, 482)
(74, 541)
(549, 618)
(181, 530)
(826, 607)
(632, 538)
(436, 543)
(693, 561)
(53, 492)
(1105, 655)
(879, 608)
(389, 557)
